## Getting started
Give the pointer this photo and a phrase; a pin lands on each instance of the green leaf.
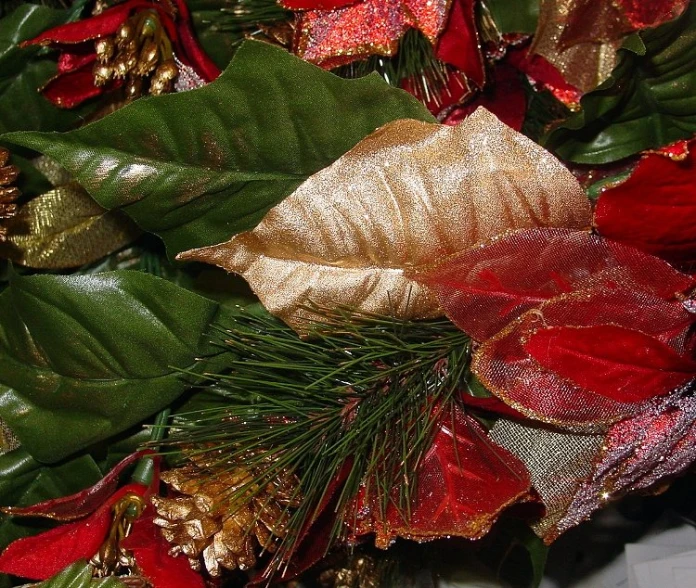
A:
(24, 71)
(648, 101)
(200, 166)
(79, 575)
(24, 481)
(85, 357)
(514, 16)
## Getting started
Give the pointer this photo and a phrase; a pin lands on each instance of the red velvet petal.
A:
(82, 503)
(459, 42)
(464, 481)
(77, 58)
(72, 89)
(103, 24)
(642, 14)
(503, 96)
(616, 362)
(192, 53)
(655, 209)
(44, 555)
(482, 289)
(506, 368)
(150, 550)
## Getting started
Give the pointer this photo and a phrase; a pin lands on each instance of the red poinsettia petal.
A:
(91, 28)
(482, 289)
(617, 362)
(459, 43)
(72, 89)
(315, 4)
(192, 53)
(150, 551)
(81, 504)
(655, 209)
(463, 483)
(503, 96)
(44, 555)
(79, 57)
(643, 15)
(508, 370)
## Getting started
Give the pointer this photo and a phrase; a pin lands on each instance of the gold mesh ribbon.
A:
(8, 440)
(558, 463)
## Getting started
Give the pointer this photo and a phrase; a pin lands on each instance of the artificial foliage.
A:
(327, 291)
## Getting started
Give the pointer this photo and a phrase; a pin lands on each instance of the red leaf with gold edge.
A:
(507, 369)
(464, 481)
(150, 550)
(73, 88)
(484, 288)
(192, 53)
(41, 556)
(655, 209)
(81, 504)
(459, 43)
(616, 362)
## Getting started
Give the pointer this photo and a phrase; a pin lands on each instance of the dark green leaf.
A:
(514, 16)
(24, 481)
(200, 166)
(647, 102)
(24, 71)
(79, 575)
(85, 357)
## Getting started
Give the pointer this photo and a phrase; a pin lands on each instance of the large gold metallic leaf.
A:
(65, 228)
(404, 197)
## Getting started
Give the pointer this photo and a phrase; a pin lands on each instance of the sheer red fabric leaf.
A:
(655, 209)
(459, 43)
(80, 504)
(464, 481)
(616, 362)
(41, 556)
(484, 288)
(507, 369)
(150, 551)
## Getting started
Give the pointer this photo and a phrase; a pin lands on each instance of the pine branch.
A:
(361, 394)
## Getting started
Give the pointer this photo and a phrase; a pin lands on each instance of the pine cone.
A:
(8, 194)
(221, 514)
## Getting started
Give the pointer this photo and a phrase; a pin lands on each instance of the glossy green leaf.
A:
(85, 357)
(200, 166)
(514, 16)
(79, 575)
(24, 71)
(647, 102)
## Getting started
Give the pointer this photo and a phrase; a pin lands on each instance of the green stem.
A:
(145, 469)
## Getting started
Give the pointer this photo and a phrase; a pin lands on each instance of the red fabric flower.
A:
(587, 334)
(88, 517)
(655, 208)
(74, 82)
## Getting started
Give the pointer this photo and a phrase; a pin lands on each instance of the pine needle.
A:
(360, 396)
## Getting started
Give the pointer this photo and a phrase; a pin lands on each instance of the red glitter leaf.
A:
(482, 289)
(150, 551)
(616, 362)
(315, 4)
(331, 38)
(464, 482)
(642, 14)
(655, 209)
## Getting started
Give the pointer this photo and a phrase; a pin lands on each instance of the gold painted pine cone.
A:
(204, 522)
(8, 193)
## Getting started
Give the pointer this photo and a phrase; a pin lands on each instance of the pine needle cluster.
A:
(358, 399)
